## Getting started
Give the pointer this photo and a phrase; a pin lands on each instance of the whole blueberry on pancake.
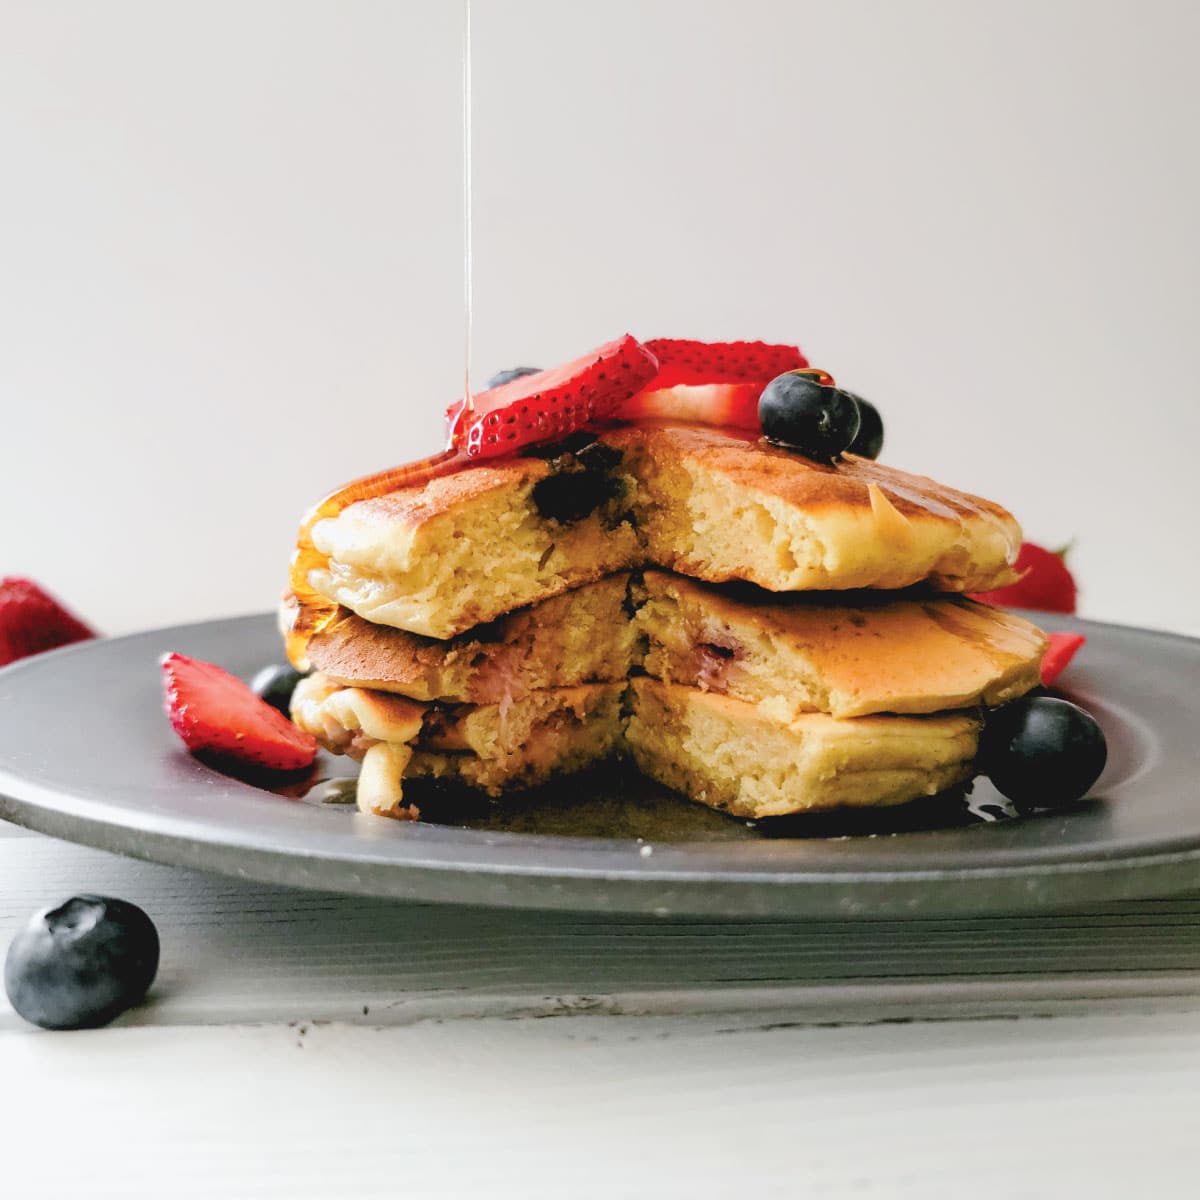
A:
(818, 420)
(868, 441)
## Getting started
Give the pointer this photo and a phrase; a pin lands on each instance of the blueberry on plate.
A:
(868, 441)
(275, 684)
(796, 410)
(503, 377)
(79, 965)
(1042, 751)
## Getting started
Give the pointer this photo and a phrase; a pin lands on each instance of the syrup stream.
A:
(468, 305)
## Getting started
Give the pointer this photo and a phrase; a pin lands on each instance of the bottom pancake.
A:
(734, 756)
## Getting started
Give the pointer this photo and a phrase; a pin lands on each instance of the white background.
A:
(230, 254)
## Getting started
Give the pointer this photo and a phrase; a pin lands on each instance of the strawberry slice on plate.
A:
(709, 383)
(217, 715)
(548, 405)
(1063, 647)
(31, 620)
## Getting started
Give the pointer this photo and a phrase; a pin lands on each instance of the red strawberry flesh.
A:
(725, 405)
(1046, 584)
(218, 716)
(689, 362)
(547, 406)
(1063, 647)
(32, 621)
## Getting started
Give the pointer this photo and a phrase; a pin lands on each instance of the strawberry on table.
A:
(1046, 583)
(216, 714)
(32, 621)
(710, 383)
(545, 406)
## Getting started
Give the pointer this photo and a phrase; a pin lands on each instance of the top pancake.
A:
(439, 559)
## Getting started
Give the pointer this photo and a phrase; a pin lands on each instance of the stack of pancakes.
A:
(764, 633)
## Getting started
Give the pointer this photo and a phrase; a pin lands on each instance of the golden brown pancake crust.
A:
(466, 548)
(756, 465)
(581, 636)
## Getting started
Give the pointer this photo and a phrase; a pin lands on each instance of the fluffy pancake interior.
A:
(874, 653)
(554, 732)
(801, 654)
(719, 751)
(492, 747)
(732, 756)
(465, 550)
(470, 547)
(583, 636)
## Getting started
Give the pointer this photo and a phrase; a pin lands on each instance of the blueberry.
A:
(581, 481)
(1042, 751)
(275, 684)
(799, 412)
(868, 441)
(503, 377)
(81, 964)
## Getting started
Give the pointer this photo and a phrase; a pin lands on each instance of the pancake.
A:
(464, 549)
(494, 748)
(732, 756)
(583, 636)
(864, 653)
(718, 751)
(717, 506)
(802, 653)
(467, 548)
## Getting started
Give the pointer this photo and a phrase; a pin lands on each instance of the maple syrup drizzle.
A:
(468, 222)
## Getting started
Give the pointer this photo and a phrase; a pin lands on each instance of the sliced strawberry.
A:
(728, 405)
(1062, 648)
(548, 405)
(683, 361)
(710, 383)
(216, 714)
(31, 621)
(1046, 584)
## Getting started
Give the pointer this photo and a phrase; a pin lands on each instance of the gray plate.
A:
(86, 754)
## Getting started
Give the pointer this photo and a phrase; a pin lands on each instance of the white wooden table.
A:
(305, 1045)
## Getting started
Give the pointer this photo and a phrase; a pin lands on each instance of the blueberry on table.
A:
(81, 964)
(503, 377)
(868, 441)
(796, 410)
(1042, 751)
(275, 684)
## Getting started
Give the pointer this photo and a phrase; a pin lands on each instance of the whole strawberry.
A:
(1046, 585)
(31, 621)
